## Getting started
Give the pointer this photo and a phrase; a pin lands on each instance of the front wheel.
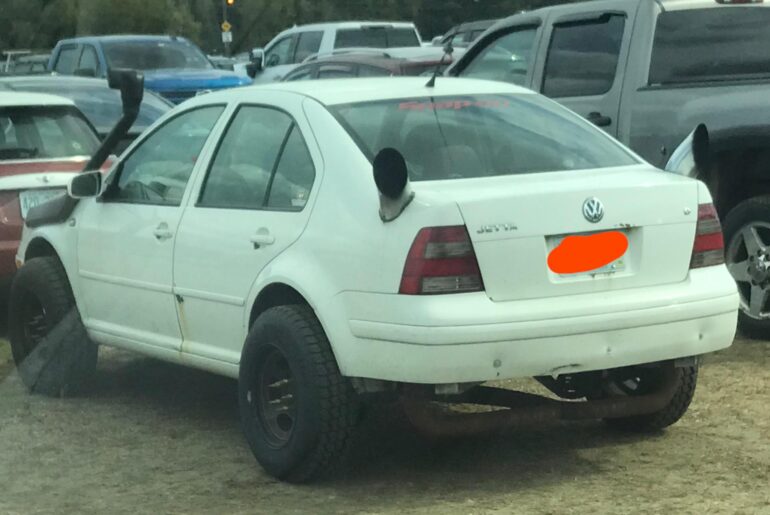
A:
(297, 411)
(747, 254)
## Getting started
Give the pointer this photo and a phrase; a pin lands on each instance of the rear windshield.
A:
(711, 44)
(44, 133)
(154, 55)
(480, 136)
(376, 37)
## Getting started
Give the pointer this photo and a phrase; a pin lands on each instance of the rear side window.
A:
(480, 136)
(711, 44)
(508, 58)
(67, 61)
(583, 57)
(262, 163)
(44, 133)
(376, 37)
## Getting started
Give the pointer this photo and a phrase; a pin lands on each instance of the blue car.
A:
(173, 67)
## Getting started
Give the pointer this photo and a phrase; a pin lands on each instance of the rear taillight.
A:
(441, 260)
(709, 246)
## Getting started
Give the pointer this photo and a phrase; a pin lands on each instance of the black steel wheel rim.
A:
(276, 397)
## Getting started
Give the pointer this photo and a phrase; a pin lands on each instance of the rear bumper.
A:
(468, 338)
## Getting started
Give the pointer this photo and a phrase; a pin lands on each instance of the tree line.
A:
(39, 24)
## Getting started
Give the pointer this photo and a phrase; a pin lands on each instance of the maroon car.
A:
(370, 63)
(41, 136)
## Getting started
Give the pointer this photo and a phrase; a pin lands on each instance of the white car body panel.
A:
(347, 264)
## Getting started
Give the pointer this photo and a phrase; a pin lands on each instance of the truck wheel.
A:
(297, 411)
(647, 380)
(747, 254)
(50, 347)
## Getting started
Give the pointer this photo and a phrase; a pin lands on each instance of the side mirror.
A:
(131, 86)
(252, 69)
(392, 179)
(258, 56)
(85, 185)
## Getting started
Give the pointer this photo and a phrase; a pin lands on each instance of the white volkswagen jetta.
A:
(324, 241)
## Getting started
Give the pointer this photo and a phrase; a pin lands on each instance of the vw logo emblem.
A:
(593, 210)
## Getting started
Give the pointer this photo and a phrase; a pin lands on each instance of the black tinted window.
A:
(711, 44)
(307, 45)
(376, 37)
(67, 61)
(480, 136)
(507, 58)
(294, 176)
(583, 57)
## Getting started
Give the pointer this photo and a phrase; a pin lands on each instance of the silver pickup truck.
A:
(648, 72)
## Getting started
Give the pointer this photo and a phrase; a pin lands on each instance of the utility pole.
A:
(227, 35)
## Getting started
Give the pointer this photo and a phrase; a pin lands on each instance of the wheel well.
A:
(39, 248)
(276, 294)
(741, 172)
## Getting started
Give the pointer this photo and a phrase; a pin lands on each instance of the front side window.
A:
(508, 58)
(336, 71)
(88, 59)
(262, 163)
(155, 55)
(44, 133)
(158, 170)
(308, 44)
(480, 136)
(583, 57)
(68, 60)
(711, 44)
(281, 52)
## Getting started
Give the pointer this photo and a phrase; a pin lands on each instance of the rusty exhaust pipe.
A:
(525, 410)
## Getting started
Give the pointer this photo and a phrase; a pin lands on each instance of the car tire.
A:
(752, 213)
(687, 379)
(50, 346)
(297, 411)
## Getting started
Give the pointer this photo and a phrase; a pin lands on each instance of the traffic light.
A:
(230, 2)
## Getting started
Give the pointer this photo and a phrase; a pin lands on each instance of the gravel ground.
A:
(156, 438)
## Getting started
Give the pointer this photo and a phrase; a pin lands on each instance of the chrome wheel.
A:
(748, 259)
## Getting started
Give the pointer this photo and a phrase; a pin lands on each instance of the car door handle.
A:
(599, 120)
(162, 232)
(261, 238)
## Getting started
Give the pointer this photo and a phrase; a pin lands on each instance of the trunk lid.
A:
(516, 221)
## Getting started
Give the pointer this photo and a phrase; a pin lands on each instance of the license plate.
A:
(615, 266)
(31, 198)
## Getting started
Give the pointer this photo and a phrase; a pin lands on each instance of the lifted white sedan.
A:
(327, 241)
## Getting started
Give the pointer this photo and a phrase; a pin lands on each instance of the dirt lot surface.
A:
(156, 438)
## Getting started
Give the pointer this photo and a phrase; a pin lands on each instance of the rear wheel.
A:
(50, 346)
(635, 381)
(747, 238)
(297, 410)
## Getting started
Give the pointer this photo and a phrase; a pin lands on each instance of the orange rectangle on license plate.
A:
(588, 253)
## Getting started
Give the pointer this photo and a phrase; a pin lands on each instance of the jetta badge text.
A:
(496, 228)
(593, 210)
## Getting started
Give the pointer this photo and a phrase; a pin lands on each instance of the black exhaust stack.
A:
(131, 86)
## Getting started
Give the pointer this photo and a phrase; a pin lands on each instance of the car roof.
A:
(344, 91)
(352, 25)
(21, 99)
(121, 38)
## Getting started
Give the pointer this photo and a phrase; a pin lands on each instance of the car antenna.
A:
(448, 50)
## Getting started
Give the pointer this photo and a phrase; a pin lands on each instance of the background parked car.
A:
(173, 66)
(39, 136)
(292, 46)
(100, 104)
(367, 63)
(648, 73)
(461, 36)
(26, 64)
